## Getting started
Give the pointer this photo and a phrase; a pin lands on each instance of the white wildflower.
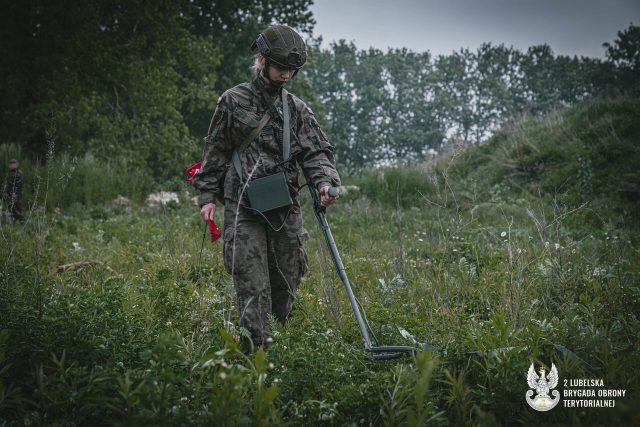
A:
(162, 198)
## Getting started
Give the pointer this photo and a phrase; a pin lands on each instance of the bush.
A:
(402, 187)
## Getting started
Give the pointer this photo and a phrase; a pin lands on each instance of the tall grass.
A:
(66, 180)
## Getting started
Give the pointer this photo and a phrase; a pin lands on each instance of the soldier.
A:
(12, 192)
(247, 140)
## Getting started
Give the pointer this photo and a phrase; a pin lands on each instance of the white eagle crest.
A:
(542, 385)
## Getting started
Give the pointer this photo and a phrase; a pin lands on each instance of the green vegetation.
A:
(125, 80)
(494, 253)
(587, 156)
(82, 182)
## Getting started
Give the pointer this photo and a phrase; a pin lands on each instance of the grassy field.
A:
(497, 254)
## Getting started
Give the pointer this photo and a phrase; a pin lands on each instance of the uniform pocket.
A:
(246, 118)
(317, 131)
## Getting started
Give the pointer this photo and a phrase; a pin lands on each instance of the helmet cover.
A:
(282, 45)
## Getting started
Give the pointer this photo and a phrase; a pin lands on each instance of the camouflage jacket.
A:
(12, 185)
(238, 112)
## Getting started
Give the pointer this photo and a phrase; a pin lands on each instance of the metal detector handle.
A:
(333, 192)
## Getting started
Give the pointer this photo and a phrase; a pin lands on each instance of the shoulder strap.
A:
(286, 142)
(286, 137)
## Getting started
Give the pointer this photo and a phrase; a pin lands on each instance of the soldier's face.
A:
(280, 74)
(13, 166)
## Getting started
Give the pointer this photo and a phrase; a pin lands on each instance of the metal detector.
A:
(377, 351)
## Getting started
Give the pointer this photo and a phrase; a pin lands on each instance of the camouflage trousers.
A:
(266, 265)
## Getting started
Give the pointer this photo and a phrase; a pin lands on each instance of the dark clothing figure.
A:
(266, 265)
(12, 194)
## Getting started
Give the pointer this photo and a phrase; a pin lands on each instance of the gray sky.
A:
(570, 27)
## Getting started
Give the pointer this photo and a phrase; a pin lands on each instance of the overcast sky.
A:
(570, 27)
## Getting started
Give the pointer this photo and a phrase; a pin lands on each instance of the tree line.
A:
(399, 105)
(136, 84)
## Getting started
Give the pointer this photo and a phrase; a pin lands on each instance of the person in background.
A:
(12, 191)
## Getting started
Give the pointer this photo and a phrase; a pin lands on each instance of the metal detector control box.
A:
(268, 193)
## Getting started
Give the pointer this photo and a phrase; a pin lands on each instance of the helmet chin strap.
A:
(265, 73)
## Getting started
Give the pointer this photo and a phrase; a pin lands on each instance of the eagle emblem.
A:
(542, 384)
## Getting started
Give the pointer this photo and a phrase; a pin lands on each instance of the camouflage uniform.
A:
(266, 265)
(12, 194)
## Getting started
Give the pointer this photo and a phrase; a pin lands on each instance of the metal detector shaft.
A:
(320, 214)
(377, 352)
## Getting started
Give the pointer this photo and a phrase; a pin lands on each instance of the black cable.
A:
(267, 220)
(204, 236)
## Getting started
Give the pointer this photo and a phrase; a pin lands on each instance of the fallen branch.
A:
(78, 265)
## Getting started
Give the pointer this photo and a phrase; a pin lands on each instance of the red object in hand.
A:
(213, 228)
(192, 170)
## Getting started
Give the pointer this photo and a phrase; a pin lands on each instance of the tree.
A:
(624, 60)
(129, 81)
(377, 106)
(332, 79)
(111, 77)
(412, 126)
(455, 92)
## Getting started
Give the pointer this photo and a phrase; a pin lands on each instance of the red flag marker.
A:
(213, 228)
(192, 170)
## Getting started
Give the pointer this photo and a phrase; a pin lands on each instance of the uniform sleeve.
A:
(216, 157)
(316, 154)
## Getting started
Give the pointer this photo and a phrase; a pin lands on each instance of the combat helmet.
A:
(281, 45)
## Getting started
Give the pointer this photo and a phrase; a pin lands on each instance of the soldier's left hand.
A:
(325, 198)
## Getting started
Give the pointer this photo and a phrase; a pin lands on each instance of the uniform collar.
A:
(272, 89)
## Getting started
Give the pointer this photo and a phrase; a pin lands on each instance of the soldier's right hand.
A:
(207, 211)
